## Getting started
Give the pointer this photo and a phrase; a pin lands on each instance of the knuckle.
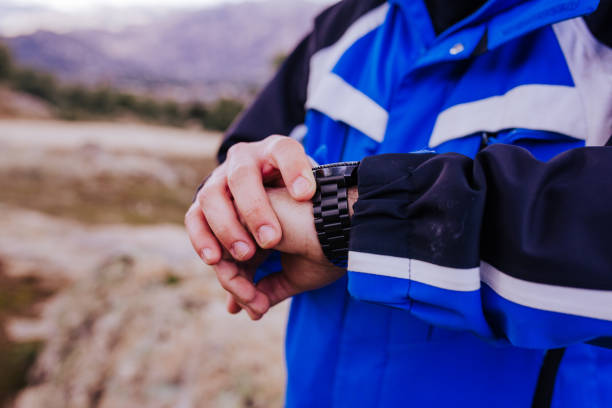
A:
(191, 210)
(203, 198)
(237, 149)
(223, 275)
(256, 210)
(249, 294)
(285, 146)
(224, 282)
(272, 139)
(207, 193)
(277, 142)
(187, 217)
(204, 192)
(223, 232)
(241, 289)
(239, 171)
(215, 178)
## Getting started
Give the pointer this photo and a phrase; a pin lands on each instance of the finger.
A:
(232, 280)
(200, 235)
(296, 170)
(232, 305)
(253, 313)
(237, 287)
(220, 214)
(276, 288)
(250, 198)
(228, 274)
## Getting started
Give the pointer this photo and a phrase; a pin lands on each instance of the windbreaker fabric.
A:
(463, 269)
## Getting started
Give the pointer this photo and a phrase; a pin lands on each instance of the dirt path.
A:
(116, 137)
(103, 172)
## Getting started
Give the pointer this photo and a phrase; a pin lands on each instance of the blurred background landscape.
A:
(110, 115)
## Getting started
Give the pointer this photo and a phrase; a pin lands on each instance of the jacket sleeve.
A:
(279, 107)
(506, 246)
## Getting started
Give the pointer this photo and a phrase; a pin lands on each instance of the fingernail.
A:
(301, 186)
(207, 255)
(266, 234)
(240, 249)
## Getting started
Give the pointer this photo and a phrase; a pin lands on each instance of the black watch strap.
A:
(331, 208)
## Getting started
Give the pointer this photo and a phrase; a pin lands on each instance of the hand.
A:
(235, 190)
(297, 222)
(299, 275)
(305, 267)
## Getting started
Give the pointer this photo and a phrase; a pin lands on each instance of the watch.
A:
(331, 208)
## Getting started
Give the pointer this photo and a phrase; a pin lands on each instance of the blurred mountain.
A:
(183, 53)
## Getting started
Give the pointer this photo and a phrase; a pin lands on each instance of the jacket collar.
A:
(503, 20)
(444, 14)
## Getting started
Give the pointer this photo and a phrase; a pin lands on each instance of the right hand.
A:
(304, 265)
(235, 191)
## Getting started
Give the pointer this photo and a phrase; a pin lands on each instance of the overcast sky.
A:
(67, 15)
(77, 5)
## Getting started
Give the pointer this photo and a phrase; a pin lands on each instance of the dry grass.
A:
(105, 198)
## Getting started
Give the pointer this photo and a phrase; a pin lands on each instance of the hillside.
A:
(225, 50)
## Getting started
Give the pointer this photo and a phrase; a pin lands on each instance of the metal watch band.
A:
(330, 208)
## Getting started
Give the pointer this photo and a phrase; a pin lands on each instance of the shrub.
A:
(197, 111)
(6, 63)
(127, 102)
(222, 114)
(79, 102)
(75, 97)
(147, 108)
(35, 83)
(172, 114)
(103, 102)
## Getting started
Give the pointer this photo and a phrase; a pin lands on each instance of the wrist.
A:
(332, 208)
(353, 195)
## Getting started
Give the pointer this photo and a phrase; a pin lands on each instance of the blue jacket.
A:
(480, 271)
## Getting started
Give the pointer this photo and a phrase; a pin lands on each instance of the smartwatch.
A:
(331, 208)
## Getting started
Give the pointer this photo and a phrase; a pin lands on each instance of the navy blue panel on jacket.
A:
(468, 261)
(505, 224)
(280, 106)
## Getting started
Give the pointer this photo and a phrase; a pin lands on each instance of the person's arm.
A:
(503, 245)
(251, 159)
(279, 107)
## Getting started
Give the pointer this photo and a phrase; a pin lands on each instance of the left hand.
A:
(305, 267)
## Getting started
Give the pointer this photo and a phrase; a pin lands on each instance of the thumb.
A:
(288, 156)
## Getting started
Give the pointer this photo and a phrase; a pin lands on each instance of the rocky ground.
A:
(103, 294)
